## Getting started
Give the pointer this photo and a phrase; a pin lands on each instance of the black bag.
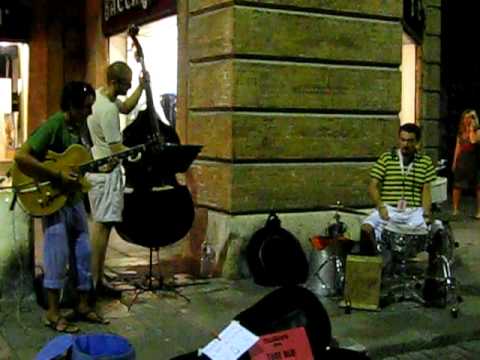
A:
(275, 257)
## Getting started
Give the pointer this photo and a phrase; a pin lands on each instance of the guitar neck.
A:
(92, 166)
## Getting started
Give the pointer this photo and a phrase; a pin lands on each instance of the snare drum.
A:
(403, 245)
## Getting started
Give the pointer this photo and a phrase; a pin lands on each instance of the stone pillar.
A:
(38, 67)
(57, 55)
(96, 45)
(293, 100)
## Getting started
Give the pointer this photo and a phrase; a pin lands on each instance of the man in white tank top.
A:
(106, 196)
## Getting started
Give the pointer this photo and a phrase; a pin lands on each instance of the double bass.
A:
(158, 211)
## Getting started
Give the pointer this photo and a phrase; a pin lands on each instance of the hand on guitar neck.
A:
(117, 148)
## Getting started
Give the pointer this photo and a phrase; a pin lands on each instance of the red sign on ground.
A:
(290, 344)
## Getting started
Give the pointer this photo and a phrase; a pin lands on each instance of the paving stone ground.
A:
(163, 324)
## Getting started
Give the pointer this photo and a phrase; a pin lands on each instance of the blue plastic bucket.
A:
(102, 347)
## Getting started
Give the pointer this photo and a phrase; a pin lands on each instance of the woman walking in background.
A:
(466, 167)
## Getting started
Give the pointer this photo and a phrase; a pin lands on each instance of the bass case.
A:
(275, 257)
(287, 308)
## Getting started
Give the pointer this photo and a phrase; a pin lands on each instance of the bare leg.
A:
(86, 313)
(100, 237)
(457, 193)
(83, 305)
(367, 240)
(53, 317)
(53, 299)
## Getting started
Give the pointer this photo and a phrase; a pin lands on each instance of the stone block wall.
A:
(292, 100)
(431, 84)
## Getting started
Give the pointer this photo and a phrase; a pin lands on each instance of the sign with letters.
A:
(289, 344)
(117, 15)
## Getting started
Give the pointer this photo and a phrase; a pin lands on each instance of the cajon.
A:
(362, 282)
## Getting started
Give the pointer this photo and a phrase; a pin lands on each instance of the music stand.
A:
(176, 158)
(161, 284)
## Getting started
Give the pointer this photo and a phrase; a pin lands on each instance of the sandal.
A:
(91, 317)
(61, 325)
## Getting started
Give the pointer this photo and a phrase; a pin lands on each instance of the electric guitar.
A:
(40, 197)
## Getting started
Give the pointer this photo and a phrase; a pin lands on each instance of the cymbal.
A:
(345, 209)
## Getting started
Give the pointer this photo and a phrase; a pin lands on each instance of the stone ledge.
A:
(230, 234)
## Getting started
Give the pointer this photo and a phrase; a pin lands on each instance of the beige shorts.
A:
(409, 221)
(106, 195)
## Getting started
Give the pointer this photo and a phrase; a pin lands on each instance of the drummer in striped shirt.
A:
(400, 189)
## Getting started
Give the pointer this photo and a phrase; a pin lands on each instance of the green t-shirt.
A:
(53, 135)
(56, 136)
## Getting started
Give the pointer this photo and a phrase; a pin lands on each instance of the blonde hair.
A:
(464, 127)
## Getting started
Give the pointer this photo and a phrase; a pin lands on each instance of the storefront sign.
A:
(119, 14)
(414, 18)
(15, 20)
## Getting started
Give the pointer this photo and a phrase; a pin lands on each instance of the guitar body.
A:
(41, 197)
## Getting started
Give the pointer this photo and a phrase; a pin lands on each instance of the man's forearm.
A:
(427, 199)
(30, 166)
(132, 100)
(375, 195)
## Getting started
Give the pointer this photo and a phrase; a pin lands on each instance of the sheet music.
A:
(231, 343)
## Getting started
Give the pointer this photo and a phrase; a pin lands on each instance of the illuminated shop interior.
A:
(14, 58)
(158, 40)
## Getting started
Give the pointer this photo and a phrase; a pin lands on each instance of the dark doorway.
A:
(460, 70)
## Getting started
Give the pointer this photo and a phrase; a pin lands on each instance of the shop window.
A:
(411, 70)
(13, 97)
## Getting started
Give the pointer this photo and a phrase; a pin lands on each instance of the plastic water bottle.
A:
(207, 260)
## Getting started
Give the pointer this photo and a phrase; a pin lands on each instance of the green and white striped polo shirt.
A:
(395, 185)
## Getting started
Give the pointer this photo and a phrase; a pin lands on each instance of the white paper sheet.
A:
(231, 343)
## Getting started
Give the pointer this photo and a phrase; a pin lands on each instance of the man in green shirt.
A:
(66, 230)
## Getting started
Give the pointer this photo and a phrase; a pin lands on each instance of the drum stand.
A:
(406, 286)
(440, 289)
(439, 285)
